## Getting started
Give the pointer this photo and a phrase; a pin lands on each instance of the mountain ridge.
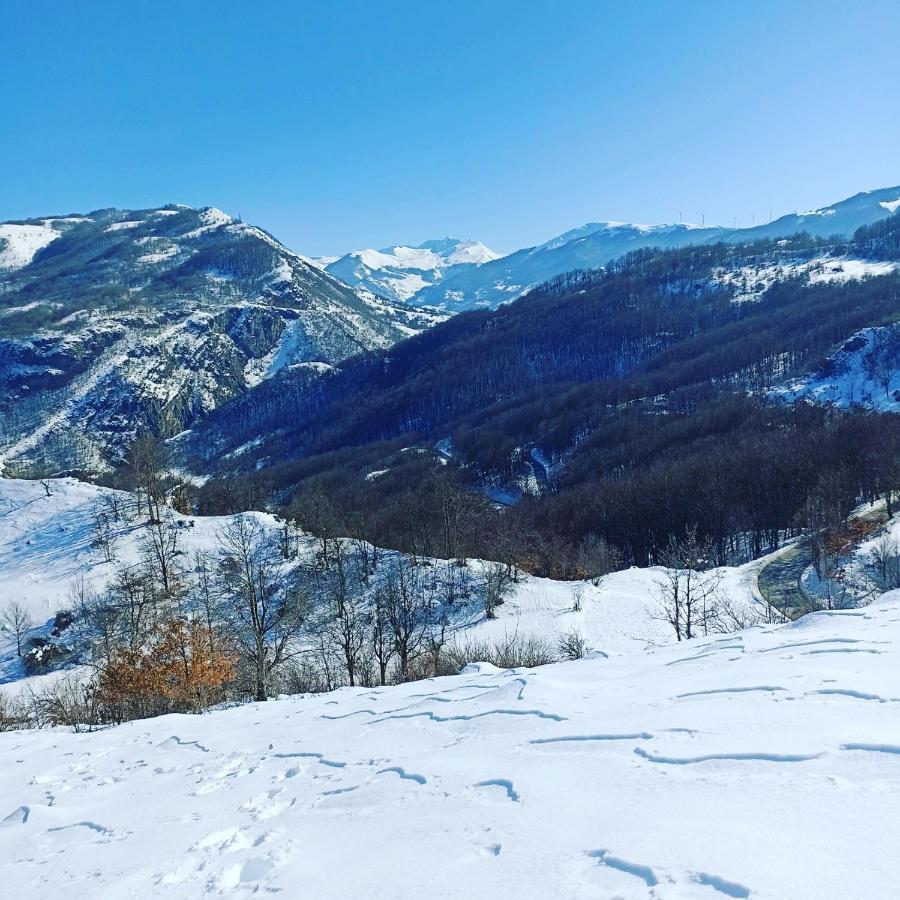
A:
(595, 244)
(124, 320)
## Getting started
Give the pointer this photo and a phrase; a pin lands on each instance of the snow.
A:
(847, 269)
(761, 764)
(123, 226)
(46, 542)
(853, 378)
(19, 243)
(210, 219)
(160, 255)
(752, 281)
(431, 255)
(764, 765)
(46, 546)
(400, 272)
(891, 205)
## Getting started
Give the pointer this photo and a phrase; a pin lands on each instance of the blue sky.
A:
(338, 125)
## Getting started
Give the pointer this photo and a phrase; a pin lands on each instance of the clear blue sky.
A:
(338, 125)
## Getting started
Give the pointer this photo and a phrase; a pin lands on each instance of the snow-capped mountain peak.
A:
(401, 271)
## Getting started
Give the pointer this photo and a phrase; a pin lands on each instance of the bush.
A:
(572, 645)
(512, 652)
(183, 668)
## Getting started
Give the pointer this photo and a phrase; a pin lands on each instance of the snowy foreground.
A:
(765, 764)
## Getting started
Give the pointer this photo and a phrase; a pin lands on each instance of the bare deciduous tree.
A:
(159, 546)
(17, 619)
(496, 582)
(268, 608)
(688, 592)
(595, 557)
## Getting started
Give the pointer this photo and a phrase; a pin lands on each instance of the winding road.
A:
(779, 579)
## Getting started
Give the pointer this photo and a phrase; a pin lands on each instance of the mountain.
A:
(399, 273)
(576, 405)
(123, 320)
(596, 244)
(840, 219)
(587, 247)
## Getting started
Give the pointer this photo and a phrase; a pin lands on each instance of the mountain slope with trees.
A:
(625, 405)
(126, 321)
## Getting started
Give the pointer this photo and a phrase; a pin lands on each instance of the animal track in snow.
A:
(645, 873)
(794, 644)
(764, 688)
(728, 888)
(318, 757)
(105, 834)
(570, 738)
(504, 783)
(175, 742)
(468, 718)
(873, 748)
(406, 776)
(737, 757)
(856, 695)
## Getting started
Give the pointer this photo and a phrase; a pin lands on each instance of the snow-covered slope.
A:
(864, 372)
(152, 318)
(765, 765)
(398, 273)
(751, 282)
(19, 243)
(841, 218)
(47, 545)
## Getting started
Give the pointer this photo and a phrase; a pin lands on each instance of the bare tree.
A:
(159, 546)
(203, 599)
(146, 462)
(381, 637)
(496, 582)
(458, 510)
(268, 608)
(348, 615)
(595, 557)
(409, 607)
(688, 592)
(17, 619)
(104, 533)
(885, 558)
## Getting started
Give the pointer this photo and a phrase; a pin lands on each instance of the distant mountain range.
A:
(487, 280)
(116, 322)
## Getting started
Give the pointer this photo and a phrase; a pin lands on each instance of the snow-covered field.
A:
(764, 765)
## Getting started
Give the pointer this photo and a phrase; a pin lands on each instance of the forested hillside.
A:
(623, 405)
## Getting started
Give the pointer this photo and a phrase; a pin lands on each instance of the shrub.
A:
(183, 668)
